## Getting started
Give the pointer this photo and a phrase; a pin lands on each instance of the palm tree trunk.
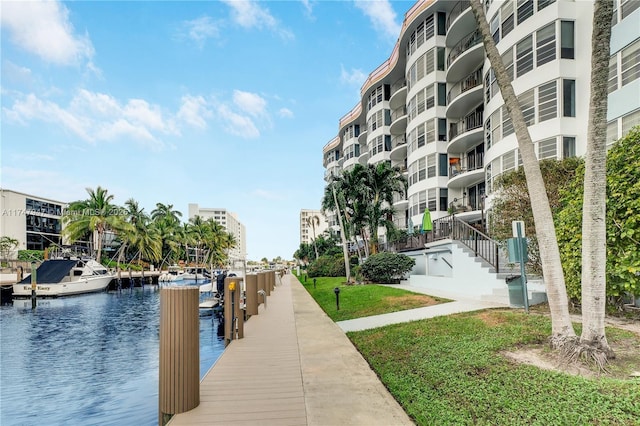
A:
(562, 329)
(594, 233)
(345, 250)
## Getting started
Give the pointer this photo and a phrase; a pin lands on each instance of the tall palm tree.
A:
(312, 221)
(594, 232)
(562, 329)
(94, 216)
(166, 213)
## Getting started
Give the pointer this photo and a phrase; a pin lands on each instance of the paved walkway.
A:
(295, 366)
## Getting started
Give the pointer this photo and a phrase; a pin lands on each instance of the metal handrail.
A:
(457, 10)
(465, 44)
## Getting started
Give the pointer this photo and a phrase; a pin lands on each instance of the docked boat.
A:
(66, 277)
(197, 274)
(173, 274)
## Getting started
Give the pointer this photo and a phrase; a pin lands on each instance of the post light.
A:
(337, 292)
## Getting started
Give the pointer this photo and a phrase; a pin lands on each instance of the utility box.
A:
(513, 249)
(516, 291)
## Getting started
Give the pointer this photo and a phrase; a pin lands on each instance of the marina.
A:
(90, 359)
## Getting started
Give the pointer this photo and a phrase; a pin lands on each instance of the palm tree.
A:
(312, 221)
(594, 232)
(7, 245)
(141, 234)
(94, 216)
(562, 328)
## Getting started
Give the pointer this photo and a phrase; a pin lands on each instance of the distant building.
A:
(35, 222)
(312, 224)
(230, 222)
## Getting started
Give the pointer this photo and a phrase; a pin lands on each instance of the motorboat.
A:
(197, 274)
(173, 274)
(66, 276)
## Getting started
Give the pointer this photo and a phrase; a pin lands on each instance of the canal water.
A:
(87, 360)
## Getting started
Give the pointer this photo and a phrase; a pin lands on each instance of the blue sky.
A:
(220, 103)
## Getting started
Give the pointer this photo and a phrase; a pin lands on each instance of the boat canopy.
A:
(52, 271)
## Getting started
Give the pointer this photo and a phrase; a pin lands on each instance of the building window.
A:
(442, 129)
(494, 26)
(442, 94)
(524, 56)
(429, 30)
(506, 12)
(547, 149)
(444, 195)
(546, 44)
(443, 165)
(613, 74)
(431, 165)
(629, 121)
(630, 63)
(442, 23)
(628, 6)
(441, 57)
(432, 202)
(569, 98)
(544, 3)
(507, 125)
(525, 10)
(568, 146)
(547, 101)
(527, 105)
(507, 60)
(567, 40)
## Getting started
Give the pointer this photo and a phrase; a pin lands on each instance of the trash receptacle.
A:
(516, 291)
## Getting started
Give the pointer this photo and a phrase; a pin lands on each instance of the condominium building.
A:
(312, 224)
(35, 222)
(434, 110)
(230, 222)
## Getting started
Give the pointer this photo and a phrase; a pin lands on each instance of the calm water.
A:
(87, 360)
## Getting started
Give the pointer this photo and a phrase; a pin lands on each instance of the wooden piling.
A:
(252, 294)
(179, 379)
(233, 315)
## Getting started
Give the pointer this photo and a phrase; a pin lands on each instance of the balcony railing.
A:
(397, 113)
(457, 10)
(469, 82)
(398, 85)
(398, 140)
(470, 164)
(470, 122)
(465, 44)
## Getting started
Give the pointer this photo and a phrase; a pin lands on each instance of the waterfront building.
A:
(230, 222)
(434, 110)
(35, 222)
(312, 224)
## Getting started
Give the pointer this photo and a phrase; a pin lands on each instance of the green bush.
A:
(327, 266)
(31, 255)
(386, 267)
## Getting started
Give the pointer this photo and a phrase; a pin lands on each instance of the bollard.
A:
(261, 287)
(337, 292)
(233, 315)
(267, 284)
(252, 294)
(179, 379)
(33, 285)
(272, 280)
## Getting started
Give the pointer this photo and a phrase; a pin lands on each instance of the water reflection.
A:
(87, 360)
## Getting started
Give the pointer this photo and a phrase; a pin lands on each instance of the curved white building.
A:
(434, 109)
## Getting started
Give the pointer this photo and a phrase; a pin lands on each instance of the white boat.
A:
(66, 277)
(196, 274)
(174, 273)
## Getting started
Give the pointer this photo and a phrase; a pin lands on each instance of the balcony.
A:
(398, 94)
(467, 54)
(364, 157)
(362, 138)
(465, 95)
(398, 148)
(400, 203)
(466, 172)
(459, 21)
(398, 121)
(466, 133)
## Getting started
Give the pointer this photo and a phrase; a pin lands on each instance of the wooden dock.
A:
(294, 366)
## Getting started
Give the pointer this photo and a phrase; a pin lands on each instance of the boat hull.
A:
(81, 286)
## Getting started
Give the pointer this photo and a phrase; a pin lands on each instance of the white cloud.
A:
(200, 29)
(354, 77)
(249, 14)
(43, 28)
(285, 113)
(16, 73)
(250, 102)
(194, 111)
(308, 8)
(381, 15)
(238, 124)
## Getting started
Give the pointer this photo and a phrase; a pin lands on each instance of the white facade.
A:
(35, 222)
(312, 224)
(434, 110)
(230, 222)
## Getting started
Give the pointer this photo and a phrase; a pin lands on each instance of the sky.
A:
(225, 104)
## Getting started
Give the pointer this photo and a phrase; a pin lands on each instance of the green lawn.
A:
(450, 371)
(363, 300)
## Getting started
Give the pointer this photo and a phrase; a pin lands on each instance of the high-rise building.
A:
(230, 222)
(312, 224)
(434, 110)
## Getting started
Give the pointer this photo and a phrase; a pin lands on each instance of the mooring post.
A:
(179, 379)
(33, 285)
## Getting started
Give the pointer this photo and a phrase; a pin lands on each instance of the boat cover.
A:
(51, 271)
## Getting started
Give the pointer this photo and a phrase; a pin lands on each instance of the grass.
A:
(363, 300)
(450, 370)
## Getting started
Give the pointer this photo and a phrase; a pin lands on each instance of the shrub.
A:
(327, 266)
(387, 267)
(31, 255)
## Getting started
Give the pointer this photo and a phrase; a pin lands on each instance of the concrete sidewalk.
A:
(294, 367)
